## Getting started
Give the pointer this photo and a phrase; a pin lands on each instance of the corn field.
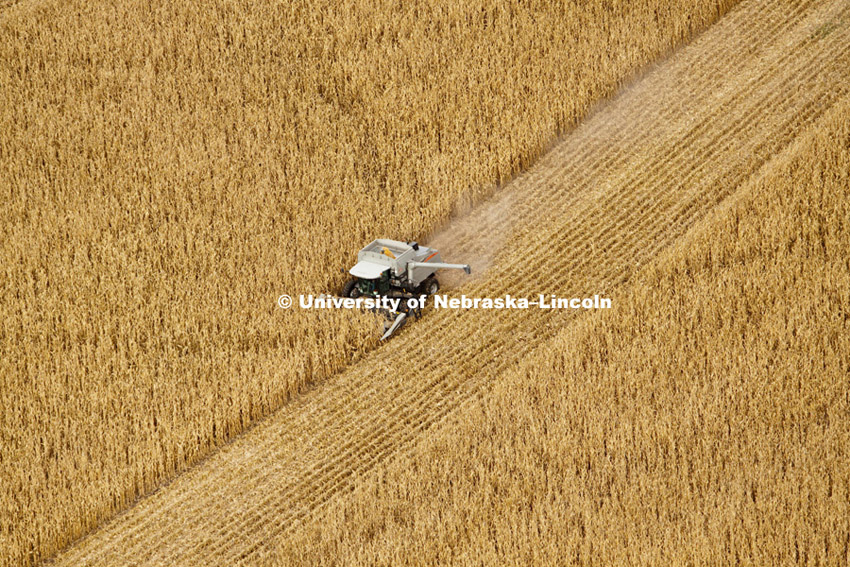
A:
(697, 421)
(702, 423)
(168, 169)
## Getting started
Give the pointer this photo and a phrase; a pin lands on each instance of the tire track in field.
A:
(590, 157)
(619, 189)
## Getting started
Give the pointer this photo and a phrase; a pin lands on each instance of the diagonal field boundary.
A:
(607, 198)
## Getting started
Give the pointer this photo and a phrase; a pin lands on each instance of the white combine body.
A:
(391, 268)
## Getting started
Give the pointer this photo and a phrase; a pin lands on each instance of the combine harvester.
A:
(397, 270)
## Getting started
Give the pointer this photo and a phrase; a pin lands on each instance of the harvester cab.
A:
(390, 268)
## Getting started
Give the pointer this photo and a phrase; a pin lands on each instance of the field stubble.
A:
(605, 201)
(168, 169)
(703, 422)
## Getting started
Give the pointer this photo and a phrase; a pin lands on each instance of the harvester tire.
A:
(430, 286)
(350, 289)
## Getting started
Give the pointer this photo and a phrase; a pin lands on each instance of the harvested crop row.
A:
(702, 423)
(168, 169)
(607, 199)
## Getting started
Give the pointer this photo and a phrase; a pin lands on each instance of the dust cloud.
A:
(476, 238)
